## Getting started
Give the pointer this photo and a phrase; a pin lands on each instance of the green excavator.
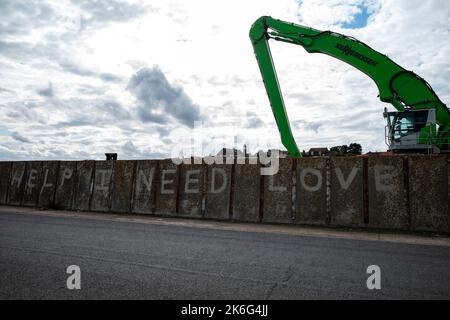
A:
(422, 122)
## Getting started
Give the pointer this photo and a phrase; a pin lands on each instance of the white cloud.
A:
(159, 101)
(85, 53)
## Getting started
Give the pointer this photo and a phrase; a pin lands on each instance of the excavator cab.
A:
(411, 131)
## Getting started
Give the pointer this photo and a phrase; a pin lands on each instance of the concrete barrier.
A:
(277, 198)
(145, 184)
(122, 186)
(84, 185)
(66, 185)
(33, 181)
(388, 193)
(429, 201)
(191, 187)
(48, 184)
(311, 206)
(347, 192)
(218, 189)
(101, 195)
(396, 192)
(246, 193)
(5, 171)
(17, 183)
(166, 201)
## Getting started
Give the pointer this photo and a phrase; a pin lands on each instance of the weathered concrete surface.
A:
(145, 184)
(191, 190)
(122, 186)
(277, 204)
(17, 183)
(428, 180)
(347, 192)
(311, 191)
(399, 192)
(388, 207)
(247, 189)
(84, 185)
(33, 182)
(5, 171)
(48, 184)
(218, 188)
(66, 185)
(167, 191)
(101, 196)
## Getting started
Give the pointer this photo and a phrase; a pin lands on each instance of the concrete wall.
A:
(144, 187)
(312, 189)
(5, 175)
(218, 192)
(278, 192)
(16, 183)
(388, 193)
(66, 185)
(400, 193)
(346, 192)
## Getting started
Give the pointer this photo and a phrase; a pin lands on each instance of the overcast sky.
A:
(80, 78)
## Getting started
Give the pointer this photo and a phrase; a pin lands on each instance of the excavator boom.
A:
(403, 89)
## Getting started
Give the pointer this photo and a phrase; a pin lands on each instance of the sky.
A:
(80, 78)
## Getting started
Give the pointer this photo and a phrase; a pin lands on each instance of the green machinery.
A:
(422, 123)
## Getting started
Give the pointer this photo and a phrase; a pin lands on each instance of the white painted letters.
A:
(67, 174)
(147, 182)
(31, 180)
(190, 181)
(215, 189)
(45, 184)
(165, 181)
(102, 186)
(313, 172)
(345, 184)
(384, 176)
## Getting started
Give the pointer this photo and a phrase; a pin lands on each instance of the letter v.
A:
(345, 184)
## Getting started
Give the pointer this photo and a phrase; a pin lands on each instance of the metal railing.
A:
(431, 141)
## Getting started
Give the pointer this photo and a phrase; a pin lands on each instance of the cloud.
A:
(102, 112)
(109, 77)
(163, 131)
(74, 123)
(307, 126)
(47, 91)
(80, 70)
(253, 121)
(158, 100)
(325, 14)
(22, 16)
(91, 51)
(15, 49)
(18, 137)
(76, 69)
(130, 151)
(6, 90)
(99, 13)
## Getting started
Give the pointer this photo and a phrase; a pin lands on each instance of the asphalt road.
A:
(130, 260)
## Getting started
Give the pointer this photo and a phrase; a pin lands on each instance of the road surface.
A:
(147, 258)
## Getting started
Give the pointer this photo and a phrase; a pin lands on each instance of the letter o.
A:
(313, 172)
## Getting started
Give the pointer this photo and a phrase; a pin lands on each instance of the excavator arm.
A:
(397, 86)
